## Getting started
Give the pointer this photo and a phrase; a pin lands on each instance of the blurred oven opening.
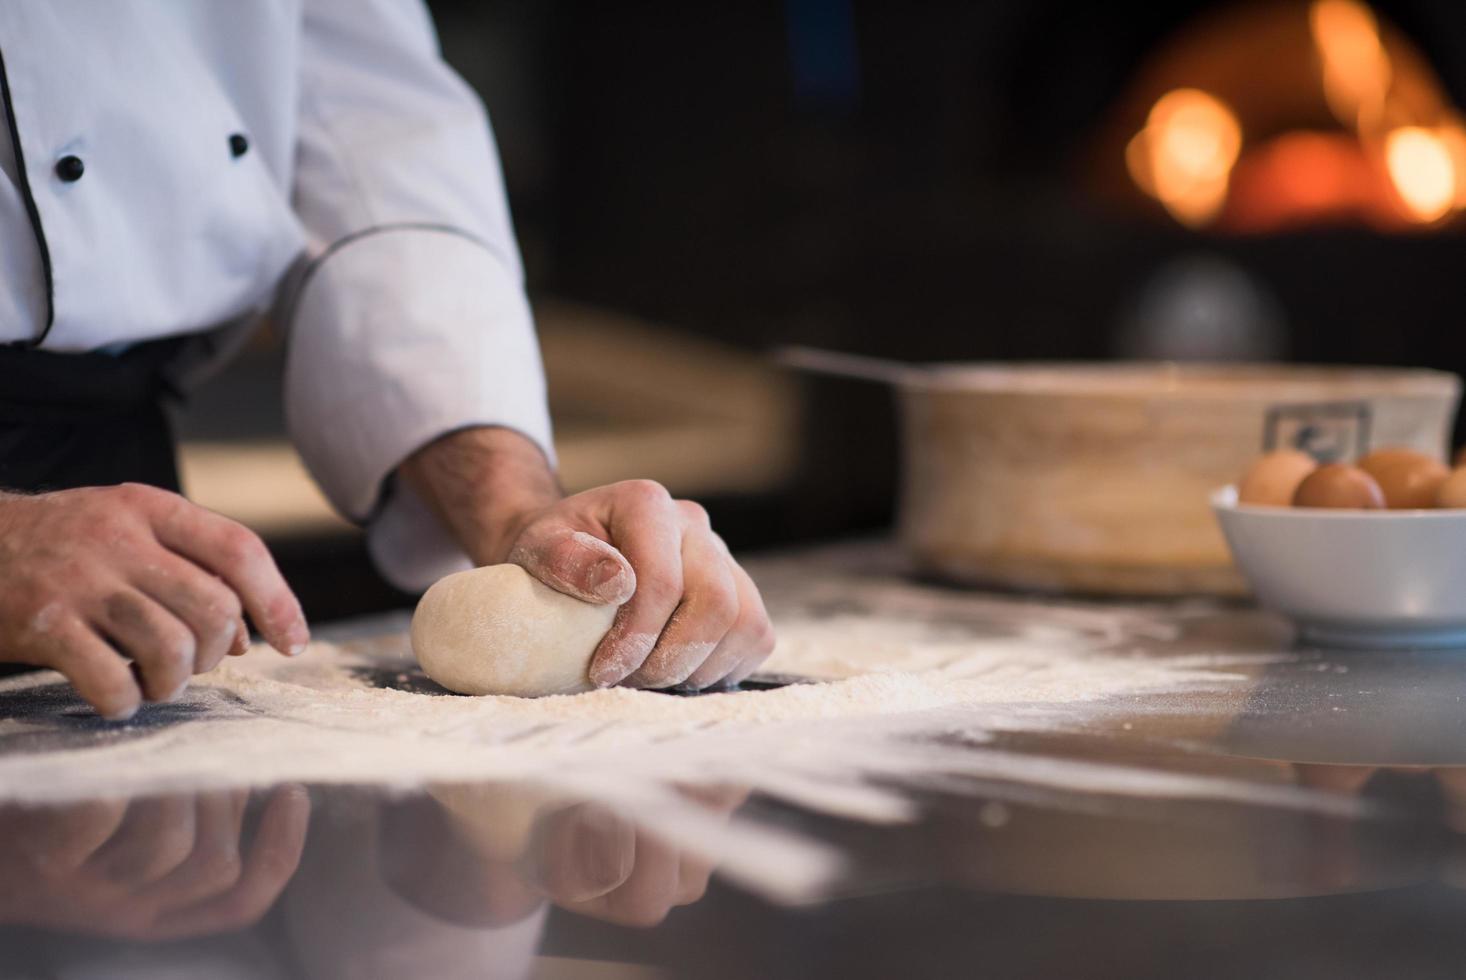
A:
(1270, 134)
(1261, 118)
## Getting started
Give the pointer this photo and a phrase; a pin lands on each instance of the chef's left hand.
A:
(691, 616)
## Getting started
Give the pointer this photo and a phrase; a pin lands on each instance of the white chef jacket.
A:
(178, 166)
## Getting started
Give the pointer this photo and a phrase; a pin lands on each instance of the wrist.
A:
(484, 483)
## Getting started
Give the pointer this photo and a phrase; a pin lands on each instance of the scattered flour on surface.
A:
(326, 716)
(892, 671)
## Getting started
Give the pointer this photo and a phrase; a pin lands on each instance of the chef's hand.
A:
(692, 617)
(90, 576)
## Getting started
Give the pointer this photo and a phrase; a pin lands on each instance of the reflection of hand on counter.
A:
(490, 853)
(590, 861)
(1280, 830)
(439, 863)
(151, 869)
(387, 889)
(1441, 790)
(1453, 786)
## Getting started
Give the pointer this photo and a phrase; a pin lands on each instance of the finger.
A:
(269, 864)
(156, 640)
(1453, 788)
(240, 798)
(695, 870)
(708, 609)
(647, 528)
(98, 672)
(213, 866)
(1345, 780)
(693, 874)
(156, 836)
(240, 646)
(722, 798)
(742, 672)
(208, 607)
(581, 852)
(575, 562)
(747, 643)
(647, 895)
(62, 839)
(235, 554)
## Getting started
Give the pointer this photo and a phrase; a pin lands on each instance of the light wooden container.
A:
(1096, 478)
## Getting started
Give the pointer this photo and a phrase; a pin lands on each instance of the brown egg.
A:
(1339, 485)
(1410, 480)
(1274, 478)
(1452, 493)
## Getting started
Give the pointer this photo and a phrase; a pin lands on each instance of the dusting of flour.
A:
(887, 671)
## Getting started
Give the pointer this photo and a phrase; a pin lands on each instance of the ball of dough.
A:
(498, 630)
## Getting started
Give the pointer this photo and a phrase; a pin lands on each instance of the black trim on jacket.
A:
(31, 210)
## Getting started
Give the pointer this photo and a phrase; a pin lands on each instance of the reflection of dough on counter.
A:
(344, 920)
(497, 630)
(495, 819)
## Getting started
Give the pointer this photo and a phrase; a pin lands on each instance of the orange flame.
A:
(1401, 156)
(1422, 171)
(1357, 72)
(1453, 135)
(1184, 155)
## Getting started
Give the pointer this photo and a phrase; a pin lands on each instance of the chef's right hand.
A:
(89, 577)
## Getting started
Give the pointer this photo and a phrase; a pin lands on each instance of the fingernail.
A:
(601, 855)
(124, 715)
(609, 674)
(299, 638)
(581, 853)
(608, 580)
(627, 654)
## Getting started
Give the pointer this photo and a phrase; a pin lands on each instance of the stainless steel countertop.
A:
(1358, 874)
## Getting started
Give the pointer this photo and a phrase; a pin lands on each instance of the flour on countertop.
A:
(906, 686)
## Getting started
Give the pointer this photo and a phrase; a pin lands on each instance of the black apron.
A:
(79, 420)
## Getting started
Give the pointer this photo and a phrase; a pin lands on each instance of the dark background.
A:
(896, 179)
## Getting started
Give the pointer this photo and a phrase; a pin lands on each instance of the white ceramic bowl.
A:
(1364, 579)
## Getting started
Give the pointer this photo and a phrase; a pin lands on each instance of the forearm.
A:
(688, 615)
(483, 483)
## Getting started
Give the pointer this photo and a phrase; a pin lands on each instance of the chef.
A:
(169, 172)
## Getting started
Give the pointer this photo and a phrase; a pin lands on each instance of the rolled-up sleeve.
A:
(409, 320)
